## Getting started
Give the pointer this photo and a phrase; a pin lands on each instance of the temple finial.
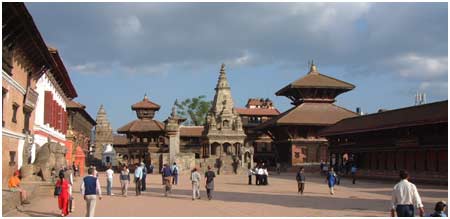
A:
(313, 67)
(222, 68)
(145, 96)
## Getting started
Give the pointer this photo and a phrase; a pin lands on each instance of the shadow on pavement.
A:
(39, 214)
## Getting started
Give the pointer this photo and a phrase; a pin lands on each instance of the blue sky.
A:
(117, 52)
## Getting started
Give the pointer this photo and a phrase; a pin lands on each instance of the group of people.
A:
(261, 175)
(209, 183)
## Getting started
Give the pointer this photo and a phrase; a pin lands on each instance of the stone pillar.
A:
(209, 150)
(173, 131)
(174, 147)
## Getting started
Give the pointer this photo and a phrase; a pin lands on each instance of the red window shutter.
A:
(54, 113)
(60, 119)
(48, 97)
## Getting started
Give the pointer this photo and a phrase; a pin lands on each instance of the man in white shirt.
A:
(109, 180)
(405, 197)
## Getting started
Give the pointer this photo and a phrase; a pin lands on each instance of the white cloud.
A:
(244, 59)
(128, 26)
(419, 66)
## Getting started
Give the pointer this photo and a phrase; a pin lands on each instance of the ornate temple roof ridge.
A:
(145, 104)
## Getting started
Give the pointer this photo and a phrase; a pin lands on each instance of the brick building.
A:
(24, 59)
(55, 91)
(380, 144)
(80, 125)
(257, 111)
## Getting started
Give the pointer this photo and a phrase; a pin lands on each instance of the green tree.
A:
(194, 109)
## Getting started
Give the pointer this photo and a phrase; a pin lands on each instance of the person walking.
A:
(301, 180)
(250, 175)
(14, 186)
(174, 174)
(405, 197)
(266, 176)
(138, 179)
(109, 180)
(167, 176)
(150, 168)
(68, 175)
(209, 176)
(124, 180)
(278, 168)
(257, 177)
(90, 188)
(331, 179)
(439, 209)
(261, 175)
(322, 164)
(353, 171)
(64, 195)
(195, 179)
(144, 177)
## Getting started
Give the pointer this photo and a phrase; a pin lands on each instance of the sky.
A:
(117, 52)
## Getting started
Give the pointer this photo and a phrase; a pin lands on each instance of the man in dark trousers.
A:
(209, 176)
(301, 180)
(144, 177)
(405, 198)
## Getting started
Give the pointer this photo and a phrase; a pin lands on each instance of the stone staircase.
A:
(228, 165)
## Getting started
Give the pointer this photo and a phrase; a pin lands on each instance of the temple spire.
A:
(145, 96)
(313, 68)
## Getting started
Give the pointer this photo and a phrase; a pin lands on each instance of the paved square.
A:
(233, 197)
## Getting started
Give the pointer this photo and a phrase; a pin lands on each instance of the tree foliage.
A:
(194, 109)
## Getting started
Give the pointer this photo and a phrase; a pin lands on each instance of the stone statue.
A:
(238, 123)
(50, 155)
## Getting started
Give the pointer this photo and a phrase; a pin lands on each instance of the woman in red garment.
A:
(63, 198)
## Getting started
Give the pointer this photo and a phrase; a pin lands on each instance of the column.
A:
(209, 150)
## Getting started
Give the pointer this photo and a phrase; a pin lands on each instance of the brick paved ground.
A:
(233, 197)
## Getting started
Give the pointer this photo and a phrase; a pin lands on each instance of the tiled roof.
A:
(145, 104)
(74, 104)
(310, 114)
(193, 131)
(120, 140)
(315, 79)
(142, 125)
(257, 111)
(411, 116)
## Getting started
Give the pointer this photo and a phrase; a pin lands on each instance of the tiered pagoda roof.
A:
(145, 111)
(314, 86)
(312, 96)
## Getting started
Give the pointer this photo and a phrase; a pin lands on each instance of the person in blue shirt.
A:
(331, 179)
(174, 174)
(353, 170)
(167, 176)
(439, 209)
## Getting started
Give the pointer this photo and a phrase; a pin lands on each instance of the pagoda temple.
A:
(145, 135)
(295, 132)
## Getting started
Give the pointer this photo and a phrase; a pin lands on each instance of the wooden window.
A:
(15, 107)
(4, 92)
(26, 122)
(12, 158)
(48, 97)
